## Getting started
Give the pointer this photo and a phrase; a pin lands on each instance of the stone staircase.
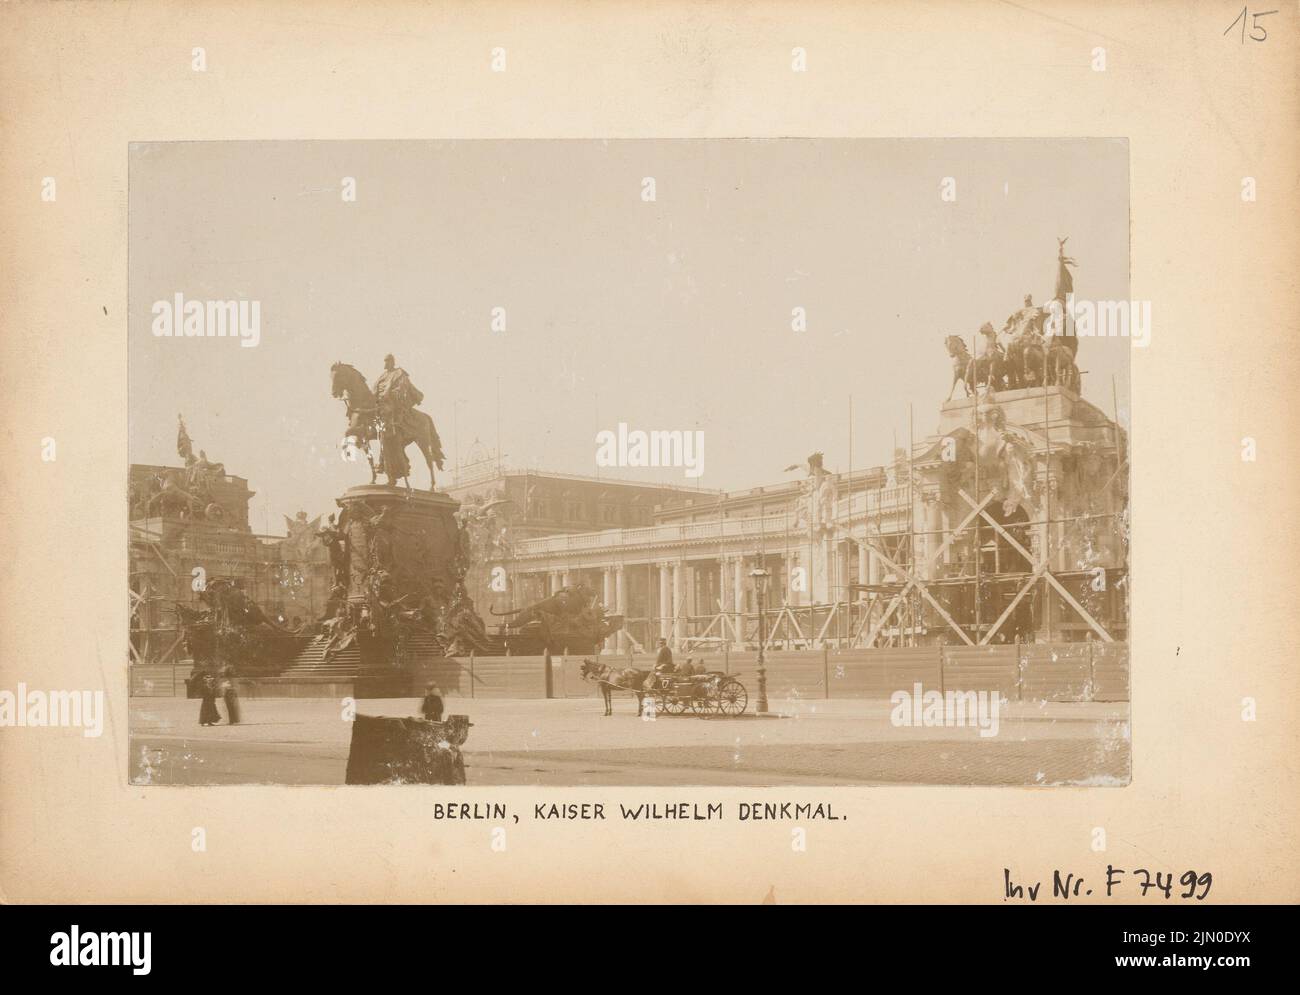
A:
(311, 662)
(346, 664)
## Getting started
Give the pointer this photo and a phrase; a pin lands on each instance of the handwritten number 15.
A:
(1254, 25)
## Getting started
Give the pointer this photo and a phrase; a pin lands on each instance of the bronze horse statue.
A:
(610, 679)
(1059, 363)
(169, 496)
(1022, 344)
(346, 382)
(986, 369)
(1040, 352)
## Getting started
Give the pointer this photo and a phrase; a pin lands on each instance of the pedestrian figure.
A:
(231, 695)
(208, 714)
(431, 706)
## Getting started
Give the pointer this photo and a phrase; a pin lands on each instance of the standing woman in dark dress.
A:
(208, 714)
(431, 707)
(231, 695)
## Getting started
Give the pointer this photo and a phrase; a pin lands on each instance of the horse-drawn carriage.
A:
(673, 691)
(712, 693)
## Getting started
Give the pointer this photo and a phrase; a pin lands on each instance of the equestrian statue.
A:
(386, 413)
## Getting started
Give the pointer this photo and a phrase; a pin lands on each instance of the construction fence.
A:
(1081, 671)
(1078, 671)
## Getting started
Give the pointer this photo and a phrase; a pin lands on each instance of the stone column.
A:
(1060, 511)
(827, 593)
(620, 599)
(678, 623)
(737, 606)
(934, 524)
(724, 595)
(864, 575)
(840, 584)
(738, 585)
(665, 612)
(607, 598)
(723, 602)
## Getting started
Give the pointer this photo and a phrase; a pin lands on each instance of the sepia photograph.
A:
(535, 453)
(630, 462)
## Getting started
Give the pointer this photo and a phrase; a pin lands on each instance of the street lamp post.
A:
(760, 577)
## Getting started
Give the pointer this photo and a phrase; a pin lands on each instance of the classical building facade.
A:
(1009, 523)
(503, 507)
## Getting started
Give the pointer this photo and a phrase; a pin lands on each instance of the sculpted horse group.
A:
(174, 494)
(1020, 356)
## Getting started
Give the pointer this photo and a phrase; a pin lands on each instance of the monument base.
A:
(403, 560)
(1058, 410)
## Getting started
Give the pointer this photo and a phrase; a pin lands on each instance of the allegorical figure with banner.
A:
(1064, 291)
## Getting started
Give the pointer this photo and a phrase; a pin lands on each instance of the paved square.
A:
(571, 742)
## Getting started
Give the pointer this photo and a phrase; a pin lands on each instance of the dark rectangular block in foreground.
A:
(412, 750)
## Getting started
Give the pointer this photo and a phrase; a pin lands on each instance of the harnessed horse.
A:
(609, 679)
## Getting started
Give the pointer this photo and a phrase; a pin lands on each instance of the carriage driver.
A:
(663, 664)
(664, 661)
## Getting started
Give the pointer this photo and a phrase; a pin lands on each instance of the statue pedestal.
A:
(404, 563)
(1058, 410)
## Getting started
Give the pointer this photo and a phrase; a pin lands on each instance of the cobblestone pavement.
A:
(570, 741)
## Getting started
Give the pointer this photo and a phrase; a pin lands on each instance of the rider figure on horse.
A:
(396, 397)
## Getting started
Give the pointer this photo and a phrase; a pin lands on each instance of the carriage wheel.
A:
(706, 702)
(674, 705)
(732, 697)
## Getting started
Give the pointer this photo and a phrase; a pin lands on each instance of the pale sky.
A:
(667, 315)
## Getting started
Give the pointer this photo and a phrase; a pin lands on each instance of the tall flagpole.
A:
(844, 626)
(979, 496)
(911, 518)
